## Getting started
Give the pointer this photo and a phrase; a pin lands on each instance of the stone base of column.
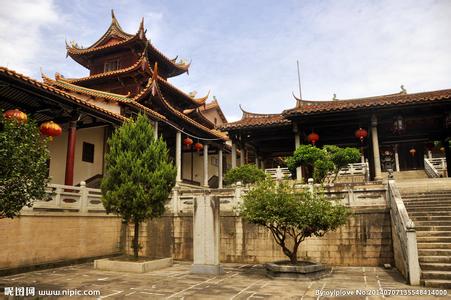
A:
(207, 269)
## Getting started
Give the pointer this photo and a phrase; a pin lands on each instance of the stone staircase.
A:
(431, 213)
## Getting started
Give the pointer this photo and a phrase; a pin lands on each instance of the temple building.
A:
(402, 132)
(127, 75)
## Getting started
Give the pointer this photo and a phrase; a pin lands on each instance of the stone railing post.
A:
(83, 198)
(412, 255)
(175, 201)
(310, 185)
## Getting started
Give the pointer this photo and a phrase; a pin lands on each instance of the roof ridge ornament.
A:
(335, 97)
(403, 90)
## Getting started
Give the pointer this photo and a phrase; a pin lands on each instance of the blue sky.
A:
(245, 52)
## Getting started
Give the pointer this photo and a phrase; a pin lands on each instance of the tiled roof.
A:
(252, 120)
(214, 105)
(59, 92)
(313, 107)
(103, 95)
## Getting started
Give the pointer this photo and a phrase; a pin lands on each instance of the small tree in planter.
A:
(23, 165)
(291, 215)
(139, 175)
(245, 174)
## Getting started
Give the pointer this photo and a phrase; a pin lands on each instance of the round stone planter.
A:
(304, 270)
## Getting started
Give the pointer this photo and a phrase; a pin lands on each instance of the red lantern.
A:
(198, 146)
(188, 142)
(361, 134)
(412, 152)
(50, 129)
(313, 138)
(16, 114)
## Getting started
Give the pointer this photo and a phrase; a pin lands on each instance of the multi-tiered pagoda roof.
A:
(127, 73)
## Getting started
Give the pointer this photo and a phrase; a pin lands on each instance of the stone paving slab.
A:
(239, 282)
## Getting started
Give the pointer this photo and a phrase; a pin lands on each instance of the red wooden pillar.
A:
(70, 158)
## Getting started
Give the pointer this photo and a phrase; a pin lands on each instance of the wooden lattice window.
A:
(111, 65)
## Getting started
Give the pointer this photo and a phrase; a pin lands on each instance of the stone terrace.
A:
(239, 282)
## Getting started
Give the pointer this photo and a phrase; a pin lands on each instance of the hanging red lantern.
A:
(198, 146)
(313, 138)
(188, 142)
(50, 129)
(412, 152)
(361, 134)
(16, 114)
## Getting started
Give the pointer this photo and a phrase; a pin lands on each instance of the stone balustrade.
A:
(404, 237)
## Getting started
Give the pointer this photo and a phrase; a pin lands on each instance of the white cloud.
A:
(21, 32)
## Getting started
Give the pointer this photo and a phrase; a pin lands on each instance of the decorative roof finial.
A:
(112, 14)
(403, 90)
(335, 97)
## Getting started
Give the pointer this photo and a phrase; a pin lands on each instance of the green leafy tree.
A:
(23, 166)
(320, 162)
(139, 175)
(291, 215)
(245, 174)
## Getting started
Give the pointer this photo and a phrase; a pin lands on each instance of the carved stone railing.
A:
(70, 198)
(404, 237)
(435, 167)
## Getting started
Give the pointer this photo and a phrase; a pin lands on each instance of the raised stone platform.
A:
(112, 264)
(304, 270)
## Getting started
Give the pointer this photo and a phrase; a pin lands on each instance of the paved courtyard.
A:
(238, 282)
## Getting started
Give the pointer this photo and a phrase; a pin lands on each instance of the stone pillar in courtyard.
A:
(178, 155)
(220, 168)
(376, 156)
(206, 236)
(233, 155)
(297, 143)
(206, 165)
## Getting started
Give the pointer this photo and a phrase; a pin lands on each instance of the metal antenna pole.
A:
(299, 80)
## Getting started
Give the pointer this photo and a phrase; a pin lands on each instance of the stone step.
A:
(433, 233)
(425, 200)
(433, 228)
(435, 259)
(430, 209)
(444, 284)
(430, 245)
(428, 213)
(430, 218)
(435, 266)
(428, 203)
(433, 223)
(434, 239)
(419, 194)
(434, 252)
(436, 275)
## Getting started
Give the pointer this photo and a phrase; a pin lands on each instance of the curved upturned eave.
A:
(142, 63)
(152, 88)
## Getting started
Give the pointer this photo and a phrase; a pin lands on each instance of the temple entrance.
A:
(411, 156)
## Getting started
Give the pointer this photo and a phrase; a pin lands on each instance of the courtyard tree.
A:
(291, 215)
(322, 161)
(139, 175)
(245, 174)
(23, 165)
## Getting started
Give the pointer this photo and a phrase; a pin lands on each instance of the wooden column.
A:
(376, 155)
(206, 165)
(220, 170)
(178, 155)
(70, 157)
